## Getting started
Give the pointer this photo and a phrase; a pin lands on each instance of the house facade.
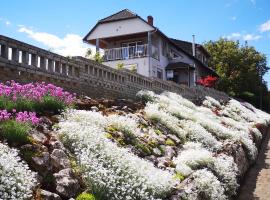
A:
(129, 41)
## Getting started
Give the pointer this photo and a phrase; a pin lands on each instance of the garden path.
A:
(257, 182)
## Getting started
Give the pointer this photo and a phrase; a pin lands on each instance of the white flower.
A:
(16, 180)
(121, 174)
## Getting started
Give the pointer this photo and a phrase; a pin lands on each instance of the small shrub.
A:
(85, 196)
(179, 176)
(15, 132)
(50, 103)
(170, 142)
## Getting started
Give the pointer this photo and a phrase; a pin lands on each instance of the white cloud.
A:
(69, 45)
(234, 36)
(253, 2)
(233, 18)
(265, 26)
(5, 21)
(249, 37)
(246, 37)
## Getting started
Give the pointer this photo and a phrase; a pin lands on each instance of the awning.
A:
(179, 65)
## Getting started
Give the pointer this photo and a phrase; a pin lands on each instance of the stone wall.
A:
(26, 63)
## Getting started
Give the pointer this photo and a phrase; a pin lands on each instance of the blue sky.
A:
(60, 25)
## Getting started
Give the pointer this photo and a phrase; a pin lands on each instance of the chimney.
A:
(150, 20)
(193, 45)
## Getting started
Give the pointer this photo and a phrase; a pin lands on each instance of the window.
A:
(164, 48)
(159, 73)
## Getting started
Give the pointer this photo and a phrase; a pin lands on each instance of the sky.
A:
(60, 25)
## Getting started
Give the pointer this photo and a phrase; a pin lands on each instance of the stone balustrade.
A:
(26, 63)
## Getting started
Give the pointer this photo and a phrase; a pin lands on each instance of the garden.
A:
(55, 145)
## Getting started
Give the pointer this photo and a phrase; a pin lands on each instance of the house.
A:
(135, 43)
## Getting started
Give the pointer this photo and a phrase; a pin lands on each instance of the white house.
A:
(130, 41)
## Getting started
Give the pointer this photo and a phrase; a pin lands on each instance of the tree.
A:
(241, 69)
(88, 53)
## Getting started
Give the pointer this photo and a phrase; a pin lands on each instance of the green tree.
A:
(241, 69)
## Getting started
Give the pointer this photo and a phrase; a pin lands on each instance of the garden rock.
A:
(38, 136)
(46, 195)
(59, 159)
(169, 152)
(67, 185)
(42, 163)
(94, 108)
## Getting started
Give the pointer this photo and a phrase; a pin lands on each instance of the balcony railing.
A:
(124, 53)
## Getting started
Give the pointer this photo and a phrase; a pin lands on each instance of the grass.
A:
(15, 132)
(86, 196)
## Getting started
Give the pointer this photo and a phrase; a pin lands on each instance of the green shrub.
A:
(170, 142)
(49, 103)
(179, 176)
(85, 196)
(15, 132)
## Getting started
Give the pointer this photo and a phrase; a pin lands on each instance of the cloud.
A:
(5, 21)
(265, 26)
(253, 2)
(245, 37)
(233, 18)
(249, 37)
(69, 45)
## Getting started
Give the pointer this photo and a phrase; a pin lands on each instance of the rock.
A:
(59, 159)
(38, 136)
(174, 138)
(55, 119)
(67, 185)
(152, 158)
(163, 162)
(55, 144)
(46, 195)
(94, 108)
(157, 152)
(42, 163)
(238, 153)
(169, 152)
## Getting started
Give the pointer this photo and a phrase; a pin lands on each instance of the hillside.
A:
(160, 147)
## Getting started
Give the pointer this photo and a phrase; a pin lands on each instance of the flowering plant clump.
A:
(16, 180)
(106, 165)
(209, 125)
(33, 97)
(208, 81)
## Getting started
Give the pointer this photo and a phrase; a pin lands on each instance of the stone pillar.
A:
(70, 70)
(57, 66)
(97, 45)
(4, 51)
(64, 70)
(149, 52)
(34, 60)
(50, 65)
(25, 57)
(42, 63)
(15, 55)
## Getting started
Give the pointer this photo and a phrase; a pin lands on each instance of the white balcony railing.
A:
(124, 53)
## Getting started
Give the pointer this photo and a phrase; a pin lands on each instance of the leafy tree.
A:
(88, 53)
(241, 69)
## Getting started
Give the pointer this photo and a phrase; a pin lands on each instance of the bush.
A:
(85, 196)
(15, 132)
(50, 103)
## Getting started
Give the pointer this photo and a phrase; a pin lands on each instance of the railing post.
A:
(34, 60)
(25, 57)
(4, 51)
(15, 55)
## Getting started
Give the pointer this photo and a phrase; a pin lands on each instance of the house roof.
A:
(127, 14)
(123, 14)
(187, 46)
(178, 65)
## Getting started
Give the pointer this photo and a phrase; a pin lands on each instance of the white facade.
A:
(136, 44)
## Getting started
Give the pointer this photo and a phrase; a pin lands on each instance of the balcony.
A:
(131, 52)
